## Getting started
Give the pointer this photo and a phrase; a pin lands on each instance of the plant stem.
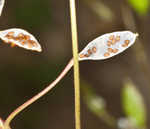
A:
(36, 97)
(76, 63)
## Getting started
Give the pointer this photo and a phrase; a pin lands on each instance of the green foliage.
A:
(102, 10)
(140, 6)
(133, 105)
(96, 104)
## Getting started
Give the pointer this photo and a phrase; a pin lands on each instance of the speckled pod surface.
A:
(108, 45)
(21, 38)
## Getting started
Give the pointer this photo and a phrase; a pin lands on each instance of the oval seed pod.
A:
(108, 45)
(1, 6)
(21, 38)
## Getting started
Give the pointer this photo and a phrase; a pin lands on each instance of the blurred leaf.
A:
(140, 6)
(2, 2)
(96, 104)
(133, 105)
(102, 10)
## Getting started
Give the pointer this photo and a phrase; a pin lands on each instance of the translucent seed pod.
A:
(108, 45)
(1, 6)
(21, 38)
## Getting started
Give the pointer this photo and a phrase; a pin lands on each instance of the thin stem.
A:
(36, 97)
(107, 118)
(76, 63)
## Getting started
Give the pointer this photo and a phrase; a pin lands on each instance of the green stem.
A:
(108, 119)
(39, 95)
(76, 63)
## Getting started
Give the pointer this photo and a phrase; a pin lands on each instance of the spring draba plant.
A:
(103, 47)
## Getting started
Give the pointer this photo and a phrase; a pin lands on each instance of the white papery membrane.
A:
(108, 45)
(20, 38)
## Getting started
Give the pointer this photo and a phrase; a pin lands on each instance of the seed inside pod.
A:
(113, 41)
(10, 35)
(110, 50)
(86, 55)
(109, 43)
(126, 42)
(26, 37)
(89, 51)
(111, 37)
(115, 50)
(94, 49)
(106, 54)
(81, 55)
(117, 38)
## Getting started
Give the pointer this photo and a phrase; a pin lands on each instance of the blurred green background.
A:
(25, 73)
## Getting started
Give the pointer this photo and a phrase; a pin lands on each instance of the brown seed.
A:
(124, 45)
(81, 55)
(20, 35)
(113, 42)
(89, 51)
(109, 43)
(115, 50)
(15, 38)
(94, 49)
(111, 37)
(86, 55)
(117, 38)
(10, 35)
(127, 42)
(106, 54)
(26, 37)
(23, 42)
(32, 42)
(110, 50)
(30, 45)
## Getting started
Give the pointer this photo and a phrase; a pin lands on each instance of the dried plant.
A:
(103, 47)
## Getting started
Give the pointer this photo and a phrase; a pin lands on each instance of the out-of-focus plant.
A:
(96, 104)
(133, 105)
(103, 47)
(99, 8)
(139, 49)
(140, 6)
(132, 102)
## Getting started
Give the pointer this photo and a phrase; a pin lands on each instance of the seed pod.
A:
(1, 6)
(21, 38)
(108, 45)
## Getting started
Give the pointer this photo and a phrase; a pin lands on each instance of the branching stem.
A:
(36, 97)
(62, 74)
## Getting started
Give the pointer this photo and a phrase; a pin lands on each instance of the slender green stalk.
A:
(39, 95)
(76, 63)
